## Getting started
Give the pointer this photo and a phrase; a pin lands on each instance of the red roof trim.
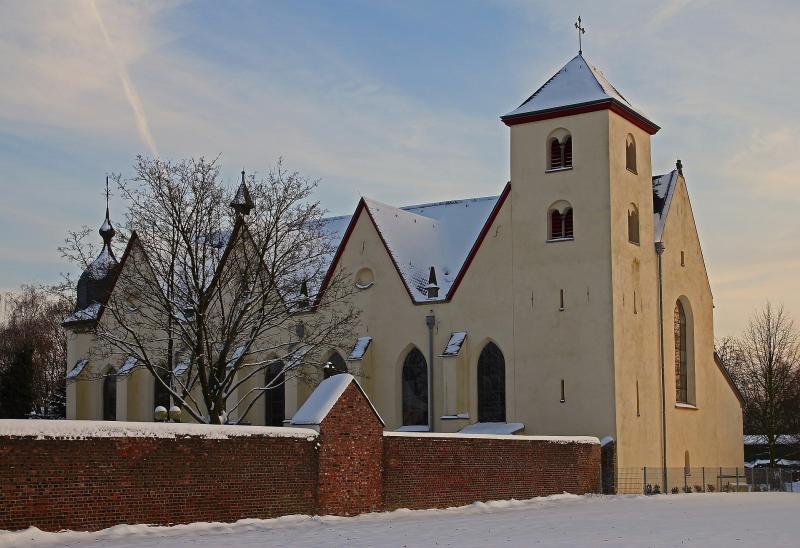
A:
(339, 250)
(633, 117)
(476, 246)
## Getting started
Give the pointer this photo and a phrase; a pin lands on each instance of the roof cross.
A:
(580, 30)
(107, 193)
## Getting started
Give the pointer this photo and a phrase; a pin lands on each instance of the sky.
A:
(398, 101)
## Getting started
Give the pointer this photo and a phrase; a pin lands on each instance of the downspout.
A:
(659, 252)
(430, 321)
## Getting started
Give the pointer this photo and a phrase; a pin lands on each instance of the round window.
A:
(364, 278)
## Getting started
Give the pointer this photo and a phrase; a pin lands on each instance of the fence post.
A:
(719, 481)
(704, 479)
(644, 484)
(737, 479)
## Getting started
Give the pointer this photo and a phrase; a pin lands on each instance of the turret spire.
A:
(107, 231)
(242, 203)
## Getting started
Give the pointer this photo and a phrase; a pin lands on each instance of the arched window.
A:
(491, 385)
(275, 395)
(110, 395)
(334, 366)
(681, 355)
(415, 389)
(633, 224)
(630, 153)
(561, 226)
(559, 150)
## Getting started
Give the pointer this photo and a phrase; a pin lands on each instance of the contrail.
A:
(127, 84)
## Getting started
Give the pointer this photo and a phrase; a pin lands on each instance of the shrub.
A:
(674, 490)
(698, 488)
(710, 488)
(687, 489)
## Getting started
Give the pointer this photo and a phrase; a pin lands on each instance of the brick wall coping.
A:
(77, 430)
(512, 437)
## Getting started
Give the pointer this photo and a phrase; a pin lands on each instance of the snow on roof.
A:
(181, 368)
(498, 428)
(77, 370)
(89, 313)
(128, 365)
(414, 428)
(454, 344)
(359, 349)
(324, 397)
(577, 83)
(456, 435)
(102, 265)
(82, 429)
(235, 355)
(438, 235)
(663, 190)
(766, 462)
(760, 439)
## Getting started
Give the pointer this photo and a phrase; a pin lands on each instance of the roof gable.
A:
(324, 397)
(443, 235)
(663, 191)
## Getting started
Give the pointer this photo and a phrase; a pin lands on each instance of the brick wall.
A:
(349, 468)
(440, 471)
(89, 484)
(351, 447)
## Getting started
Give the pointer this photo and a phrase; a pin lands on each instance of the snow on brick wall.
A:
(442, 471)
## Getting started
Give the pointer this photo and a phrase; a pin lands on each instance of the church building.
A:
(574, 302)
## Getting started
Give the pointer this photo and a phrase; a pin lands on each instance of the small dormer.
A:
(432, 287)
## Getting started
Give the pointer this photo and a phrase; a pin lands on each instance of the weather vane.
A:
(107, 192)
(581, 30)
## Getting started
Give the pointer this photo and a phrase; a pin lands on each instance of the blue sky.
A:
(398, 101)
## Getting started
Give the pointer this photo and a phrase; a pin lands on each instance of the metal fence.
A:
(650, 481)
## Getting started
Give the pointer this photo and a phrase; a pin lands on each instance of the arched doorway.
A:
(415, 389)
(491, 385)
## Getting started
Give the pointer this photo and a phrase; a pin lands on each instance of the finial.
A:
(107, 229)
(581, 30)
(679, 166)
(242, 204)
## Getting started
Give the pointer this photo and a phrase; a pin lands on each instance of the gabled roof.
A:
(324, 397)
(579, 86)
(663, 190)
(443, 235)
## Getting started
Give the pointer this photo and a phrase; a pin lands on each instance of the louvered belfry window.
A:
(555, 154)
(560, 153)
(567, 152)
(568, 233)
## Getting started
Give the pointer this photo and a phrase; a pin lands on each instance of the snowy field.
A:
(708, 520)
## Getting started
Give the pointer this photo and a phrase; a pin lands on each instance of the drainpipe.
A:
(659, 252)
(430, 321)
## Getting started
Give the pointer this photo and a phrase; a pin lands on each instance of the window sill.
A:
(556, 240)
(632, 171)
(637, 244)
(556, 169)
(681, 405)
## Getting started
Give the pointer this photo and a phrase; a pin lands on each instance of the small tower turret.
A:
(242, 203)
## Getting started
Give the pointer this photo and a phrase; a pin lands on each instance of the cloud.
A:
(130, 90)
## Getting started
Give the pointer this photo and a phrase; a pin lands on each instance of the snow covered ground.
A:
(708, 520)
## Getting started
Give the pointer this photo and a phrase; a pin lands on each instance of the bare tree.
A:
(765, 364)
(32, 333)
(222, 304)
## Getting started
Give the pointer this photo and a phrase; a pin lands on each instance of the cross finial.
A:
(580, 30)
(107, 192)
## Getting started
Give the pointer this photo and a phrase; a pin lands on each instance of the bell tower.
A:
(580, 177)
